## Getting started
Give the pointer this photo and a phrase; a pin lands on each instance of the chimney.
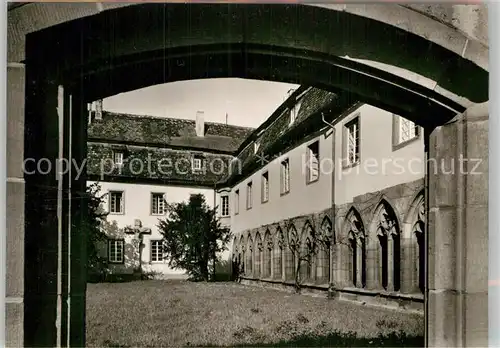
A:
(200, 123)
(98, 109)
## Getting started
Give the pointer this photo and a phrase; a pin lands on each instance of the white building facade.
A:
(349, 180)
(141, 165)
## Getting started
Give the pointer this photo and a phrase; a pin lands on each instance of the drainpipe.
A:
(60, 112)
(334, 183)
(70, 158)
(332, 127)
(215, 202)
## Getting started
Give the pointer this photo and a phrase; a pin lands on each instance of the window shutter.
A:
(122, 203)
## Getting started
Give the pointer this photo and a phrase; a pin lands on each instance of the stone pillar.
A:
(328, 265)
(341, 270)
(359, 264)
(390, 262)
(332, 264)
(457, 289)
(283, 264)
(409, 266)
(14, 306)
(271, 255)
(371, 265)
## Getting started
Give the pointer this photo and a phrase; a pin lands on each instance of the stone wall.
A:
(371, 253)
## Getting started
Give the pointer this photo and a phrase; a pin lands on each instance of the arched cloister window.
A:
(279, 258)
(419, 229)
(357, 249)
(291, 252)
(250, 248)
(307, 251)
(268, 251)
(325, 239)
(389, 248)
(417, 219)
(258, 256)
(242, 248)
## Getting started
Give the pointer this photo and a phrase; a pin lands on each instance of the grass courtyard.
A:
(157, 313)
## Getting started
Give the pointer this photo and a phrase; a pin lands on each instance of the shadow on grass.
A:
(120, 278)
(343, 340)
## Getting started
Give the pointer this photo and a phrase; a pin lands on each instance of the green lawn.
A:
(177, 313)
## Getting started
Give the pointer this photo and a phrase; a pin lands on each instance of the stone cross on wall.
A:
(139, 231)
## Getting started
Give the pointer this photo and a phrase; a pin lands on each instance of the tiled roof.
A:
(163, 131)
(313, 101)
(279, 123)
(163, 165)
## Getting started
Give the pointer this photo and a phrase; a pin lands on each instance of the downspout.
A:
(215, 202)
(70, 159)
(334, 170)
(334, 183)
(60, 114)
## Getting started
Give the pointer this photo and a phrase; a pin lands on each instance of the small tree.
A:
(192, 235)
(91, 223)
(305, 247)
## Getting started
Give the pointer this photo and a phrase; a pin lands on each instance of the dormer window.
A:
(197, 163)
(294, 112)
(256, 146)
(118, 158)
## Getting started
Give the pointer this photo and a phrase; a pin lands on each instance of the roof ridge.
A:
(169, 118)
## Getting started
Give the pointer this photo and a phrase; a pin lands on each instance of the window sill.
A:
(284, 193)
(116, 213)
(351, 165)
(116, 263)
(399, 146)
(309, 182)
(264, 202)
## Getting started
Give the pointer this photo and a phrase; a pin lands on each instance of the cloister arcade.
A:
(386, 256)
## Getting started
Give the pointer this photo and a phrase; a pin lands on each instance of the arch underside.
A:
(142, 45)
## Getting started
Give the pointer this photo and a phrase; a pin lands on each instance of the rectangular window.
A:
(118, 158)
(116, 202)
(265, 187)
(313, 162)
(407, 130)
(157, 204)
(249, 195)
(156, 251)
(237, 202)
(115, 250)
(285, 176)
(352, 145)
(197, 163)
(225, 205)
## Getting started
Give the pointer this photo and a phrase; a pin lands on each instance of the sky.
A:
(247, 102)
